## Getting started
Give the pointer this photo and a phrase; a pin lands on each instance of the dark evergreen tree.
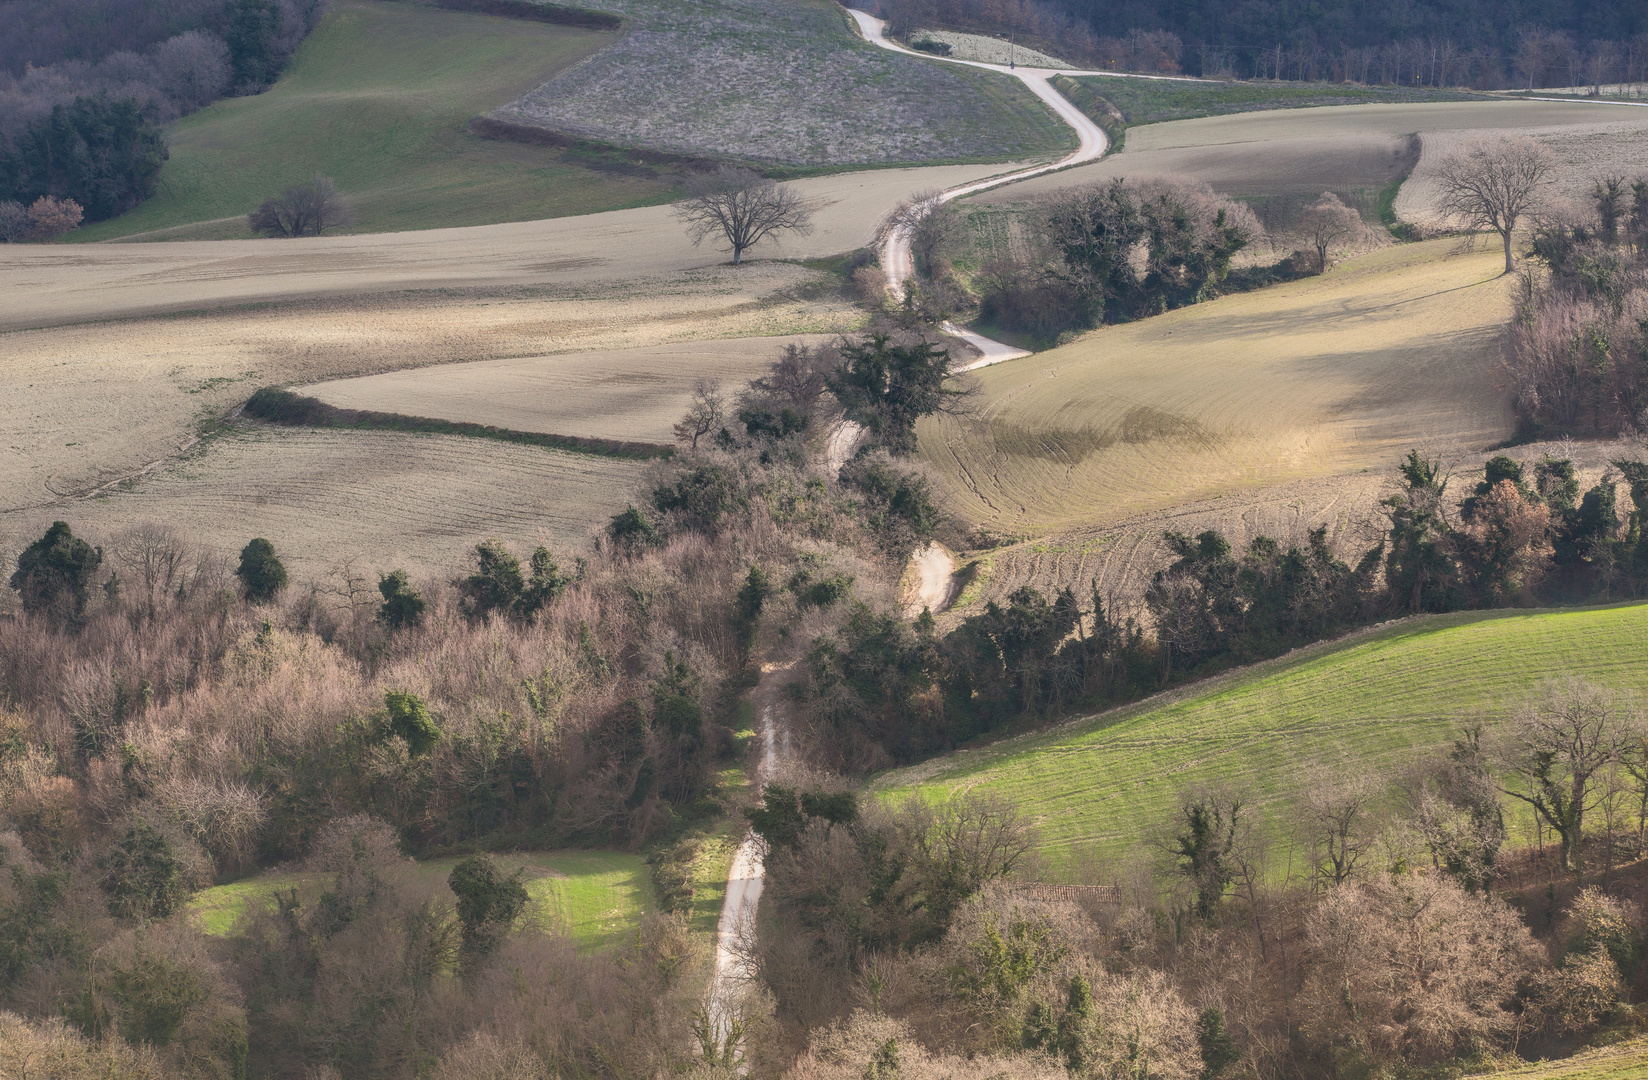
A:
(261, 574)
(54, 573)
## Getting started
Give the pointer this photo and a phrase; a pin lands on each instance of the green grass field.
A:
(1626, 1061)
(378, 98)
(595, 896)
(1100, 787)
(1146, 101)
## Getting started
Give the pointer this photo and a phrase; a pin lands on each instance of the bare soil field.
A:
(381, 499)
(785, 82)
(95, 402)
(634, 395)
(1582, 154)
(53, 285)
(1306, 151)
(1322, 377)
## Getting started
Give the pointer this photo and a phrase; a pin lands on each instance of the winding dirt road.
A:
(934, 567)
(1091, 145)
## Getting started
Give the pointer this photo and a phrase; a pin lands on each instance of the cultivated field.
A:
(93, 403)
(989, 50)
(1150, 101)
(378, 99)
(784, 82)
(595, 896)
(1119, 557)
(1099, 788)
(53, 285)
(377, 500)
(1582, 153)
(1322, 377)
(628, 394)
(1308, 150)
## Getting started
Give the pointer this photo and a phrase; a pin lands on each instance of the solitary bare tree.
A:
(1329, 223)
(1492, 184)
(301, 210)
(1557, 747)
(742, 208)
(704, 415)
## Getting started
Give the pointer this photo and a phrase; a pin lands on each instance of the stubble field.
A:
(1322, 377)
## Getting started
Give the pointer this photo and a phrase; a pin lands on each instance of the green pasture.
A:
(378, 98)
(595, 896)
(1147, 101)
(1625, 1061)
(1101, 787)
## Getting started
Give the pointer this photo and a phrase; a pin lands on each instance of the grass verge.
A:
(379, 98)
(278, 406)
(1624, 1061)
(1102, 787)
(1147, 101)
(597, 897)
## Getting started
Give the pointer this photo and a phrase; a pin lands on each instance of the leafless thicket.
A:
(307, 209)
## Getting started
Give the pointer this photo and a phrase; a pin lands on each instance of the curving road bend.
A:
(934, 566)
(1091, 144)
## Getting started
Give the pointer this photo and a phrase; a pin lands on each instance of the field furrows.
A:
(1367, 705)
(1322, 377)
(378, 499)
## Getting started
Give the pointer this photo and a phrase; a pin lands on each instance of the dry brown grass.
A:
(1321, 377)
(378, 499)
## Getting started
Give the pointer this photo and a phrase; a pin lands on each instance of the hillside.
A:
(786, 83)
(1099, 788)
(378, 99)
(1328, 375)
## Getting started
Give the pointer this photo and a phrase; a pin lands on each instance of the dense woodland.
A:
(86, 87)
(1474, 43)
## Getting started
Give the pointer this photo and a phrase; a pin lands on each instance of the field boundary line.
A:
(276, 406)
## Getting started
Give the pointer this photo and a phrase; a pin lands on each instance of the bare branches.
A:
(302, 210)
(706, 413)
(1494, 184)
(1330, 224)
(742, 208)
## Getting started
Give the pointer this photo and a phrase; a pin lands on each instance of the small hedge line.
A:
(277, 406)
(549, 13)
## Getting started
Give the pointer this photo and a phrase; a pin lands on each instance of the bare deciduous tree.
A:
(704, 415)
(301, 210)
(1340, 835)
(1493, 184)
(1556, 747)
(1329, 223)
(742, 208)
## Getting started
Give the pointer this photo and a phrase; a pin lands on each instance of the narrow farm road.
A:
(896, 258)
(934, 567)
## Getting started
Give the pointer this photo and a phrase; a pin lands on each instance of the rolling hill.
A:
(1101, 787)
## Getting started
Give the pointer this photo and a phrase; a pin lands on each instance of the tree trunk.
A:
(1509, 265)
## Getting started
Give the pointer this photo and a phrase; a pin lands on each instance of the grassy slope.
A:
(1626, 1061)
(1101, 786)
(596, 896)
(378, 99)
(1147, 101)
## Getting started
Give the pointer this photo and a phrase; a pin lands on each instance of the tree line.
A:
(85, 125)
(1438, 43)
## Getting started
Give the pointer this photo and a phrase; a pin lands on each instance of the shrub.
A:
(402, 604)
(260, 572)
(307, 209)
(497, 585)
(410, 720)
(488, 902)
(629, 527)
(53, 573)
(50, 218)
(141, 876)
